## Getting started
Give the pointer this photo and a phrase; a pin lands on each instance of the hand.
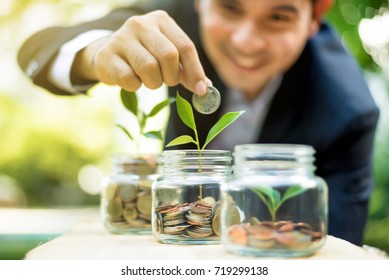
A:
(150, 49)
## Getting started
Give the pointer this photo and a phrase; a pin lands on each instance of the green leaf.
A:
(160, 106)
(292, 192)
(260, 194)
(130, 101)
(263, 198)
(266, 191)
(141, 120)
(221, 124)
(185, 112)
(155, 134)
(276, 197)
(183, 139)
(125, 131)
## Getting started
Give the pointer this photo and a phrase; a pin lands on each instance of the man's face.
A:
(251, 41)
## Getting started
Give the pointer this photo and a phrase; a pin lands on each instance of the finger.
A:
(145, 65)
(117, 72)
(192, 72)
(166, 54)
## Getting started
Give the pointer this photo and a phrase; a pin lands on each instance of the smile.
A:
(247, 64)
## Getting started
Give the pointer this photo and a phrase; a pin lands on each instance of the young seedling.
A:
(273, 199)
(130, 102)
(185, 113)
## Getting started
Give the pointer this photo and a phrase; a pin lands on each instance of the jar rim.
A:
(194, 157)
(193, 152)
(297, 149)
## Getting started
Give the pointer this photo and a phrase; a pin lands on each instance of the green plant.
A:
(273, 198)
(185, 112)
(130, 102)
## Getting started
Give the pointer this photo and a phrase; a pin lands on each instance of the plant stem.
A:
(201, 186)
(200, 157)
(197, 141)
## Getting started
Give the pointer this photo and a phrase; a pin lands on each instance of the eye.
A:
(229, 6)
(280, 17)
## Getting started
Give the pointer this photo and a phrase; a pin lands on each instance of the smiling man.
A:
(275, 59)
(251, 42)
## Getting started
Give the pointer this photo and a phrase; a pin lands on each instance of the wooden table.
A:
(89, 240)
(23, 229)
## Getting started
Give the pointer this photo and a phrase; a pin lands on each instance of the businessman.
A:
(278, 60)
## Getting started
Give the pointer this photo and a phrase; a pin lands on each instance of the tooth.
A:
(246, 63)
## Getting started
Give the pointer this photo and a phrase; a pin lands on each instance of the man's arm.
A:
(38, 52)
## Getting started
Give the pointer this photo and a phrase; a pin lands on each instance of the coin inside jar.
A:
(207, 103)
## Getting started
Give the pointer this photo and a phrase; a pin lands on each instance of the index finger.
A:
(192, 76)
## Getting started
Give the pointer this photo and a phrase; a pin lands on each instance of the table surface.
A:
(89, 240)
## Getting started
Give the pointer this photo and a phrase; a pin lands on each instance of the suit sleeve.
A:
(37, 52)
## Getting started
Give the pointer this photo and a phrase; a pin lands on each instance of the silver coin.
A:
(207, 103)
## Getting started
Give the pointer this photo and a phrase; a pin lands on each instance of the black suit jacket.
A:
(323, 101)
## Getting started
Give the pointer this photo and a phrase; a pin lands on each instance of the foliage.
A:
(45, 160)
(130, 102)
(345, 15)
(273, 199)
(185, 112)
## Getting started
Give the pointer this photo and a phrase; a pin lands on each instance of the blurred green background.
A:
(54, 150)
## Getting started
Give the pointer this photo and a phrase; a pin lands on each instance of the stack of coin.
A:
(129, 205)
(216, 227)
(171, 218)
(234, 216)
(143, 166)
(199, 216)
(194, 220)
(269, 235)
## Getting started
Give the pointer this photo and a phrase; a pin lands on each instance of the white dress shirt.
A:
(59, 73)
(247, 127)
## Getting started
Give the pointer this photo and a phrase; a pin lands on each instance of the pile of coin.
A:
(128, 205)
(269, 235)
(199, 219)
(171, 218)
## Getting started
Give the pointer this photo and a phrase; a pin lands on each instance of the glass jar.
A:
(186, 198)
(274, 205)
(126, 194)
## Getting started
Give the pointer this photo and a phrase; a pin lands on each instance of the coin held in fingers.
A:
(207, 103)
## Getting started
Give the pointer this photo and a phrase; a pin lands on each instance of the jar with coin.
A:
(126, 194)
(274, 205)
(186, 197)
